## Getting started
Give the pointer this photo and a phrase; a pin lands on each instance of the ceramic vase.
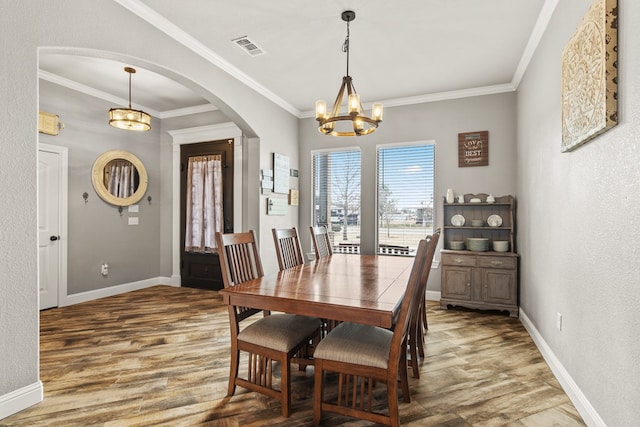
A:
(450, 198)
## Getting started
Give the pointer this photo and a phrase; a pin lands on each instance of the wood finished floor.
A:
(160, 357)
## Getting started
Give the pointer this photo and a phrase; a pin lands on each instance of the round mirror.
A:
(119, 178)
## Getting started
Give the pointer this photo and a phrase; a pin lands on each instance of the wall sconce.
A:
(149, 199)
(85, 196)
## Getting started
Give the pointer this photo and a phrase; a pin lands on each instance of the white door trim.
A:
(191, 136)
(63, 152)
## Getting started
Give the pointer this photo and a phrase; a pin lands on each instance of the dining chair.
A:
(418, 319)
(288, 247)
(272, 338)
(362, 355)
(321, 242)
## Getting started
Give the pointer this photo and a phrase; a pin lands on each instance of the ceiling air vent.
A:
(248, 46)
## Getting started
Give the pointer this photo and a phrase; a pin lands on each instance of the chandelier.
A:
(127, 118)
(358, 123)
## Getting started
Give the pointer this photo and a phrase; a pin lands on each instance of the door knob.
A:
(54, 238)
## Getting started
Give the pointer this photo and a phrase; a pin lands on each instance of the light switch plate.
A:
(133, 220)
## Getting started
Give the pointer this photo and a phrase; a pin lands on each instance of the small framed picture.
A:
(473, 149)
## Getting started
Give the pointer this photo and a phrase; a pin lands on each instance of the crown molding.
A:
(537, 33)
(160, 22)
(435, 97)
(87, 90)
(179, 112)
(59, 80)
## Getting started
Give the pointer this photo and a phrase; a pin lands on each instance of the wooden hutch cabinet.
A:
(474, 275)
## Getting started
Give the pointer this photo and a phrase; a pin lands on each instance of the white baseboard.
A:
(20, 399)
(114, 290)
(433, 295)
(588, 412)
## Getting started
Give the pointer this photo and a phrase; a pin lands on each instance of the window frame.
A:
(313, 181)
(392, 145)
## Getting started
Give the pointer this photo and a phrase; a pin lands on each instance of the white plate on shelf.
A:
(457, 220)
(494, 221)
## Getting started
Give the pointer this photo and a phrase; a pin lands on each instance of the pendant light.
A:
(358, 122)
(128, 118)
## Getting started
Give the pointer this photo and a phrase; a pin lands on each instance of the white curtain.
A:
(121, 181)
(204, 203)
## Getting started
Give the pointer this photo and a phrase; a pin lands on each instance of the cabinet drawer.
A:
(459, 260)
(497, 262)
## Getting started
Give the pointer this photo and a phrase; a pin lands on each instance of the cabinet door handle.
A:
(496, 262)
(458, 260)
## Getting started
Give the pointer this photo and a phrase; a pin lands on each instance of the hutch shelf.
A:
(482, 278)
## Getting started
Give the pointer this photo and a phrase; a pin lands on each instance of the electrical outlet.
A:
(559, 321)
(104, 269)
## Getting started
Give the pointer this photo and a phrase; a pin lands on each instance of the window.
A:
(405, 197)
(336, 196)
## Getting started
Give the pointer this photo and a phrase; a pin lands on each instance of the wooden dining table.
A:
(366, 289)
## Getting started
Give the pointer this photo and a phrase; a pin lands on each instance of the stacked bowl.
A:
(501, 245)
(478, 244)
(456, 245)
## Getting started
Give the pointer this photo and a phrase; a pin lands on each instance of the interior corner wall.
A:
(19, 255)
(438, 122)
(578, 233)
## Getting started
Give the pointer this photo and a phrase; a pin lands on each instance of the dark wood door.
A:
(202, 270)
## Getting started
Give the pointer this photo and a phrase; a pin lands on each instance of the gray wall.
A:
(97, 233)
(578, 215)
(439, 122)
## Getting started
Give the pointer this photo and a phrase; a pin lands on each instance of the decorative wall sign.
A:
(280, 173)
(473, 149)
(276, 206)
(590, 76)
(293, 197)
(266, 183)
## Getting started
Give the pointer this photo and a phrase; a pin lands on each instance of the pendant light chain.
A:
(345, 46)
(130, 90)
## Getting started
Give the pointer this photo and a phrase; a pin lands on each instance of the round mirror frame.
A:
(97, 174)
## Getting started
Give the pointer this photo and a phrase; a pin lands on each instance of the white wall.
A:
(74, 24)
(578, 214)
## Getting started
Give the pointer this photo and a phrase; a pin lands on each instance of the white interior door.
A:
(51, 211)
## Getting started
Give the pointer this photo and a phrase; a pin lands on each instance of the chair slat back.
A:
(288, 247)
(239, 262)
(433, 242)
(321, 241)
(416, 285)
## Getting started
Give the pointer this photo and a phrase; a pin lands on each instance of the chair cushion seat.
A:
(281, 332)
(358, 344)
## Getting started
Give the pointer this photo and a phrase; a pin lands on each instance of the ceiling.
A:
(401, 52)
